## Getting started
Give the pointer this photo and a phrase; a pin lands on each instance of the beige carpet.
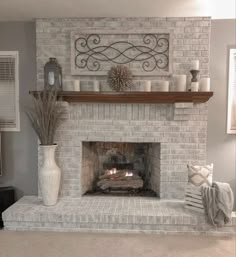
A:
(49, 244)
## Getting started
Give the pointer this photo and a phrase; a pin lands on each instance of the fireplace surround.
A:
(179, 128)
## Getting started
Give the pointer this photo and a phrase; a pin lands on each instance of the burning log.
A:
(119, 179)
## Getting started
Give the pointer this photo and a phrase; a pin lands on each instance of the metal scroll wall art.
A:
(145, 54)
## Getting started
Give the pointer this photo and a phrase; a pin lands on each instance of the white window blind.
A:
(9, 91)
(231, 117)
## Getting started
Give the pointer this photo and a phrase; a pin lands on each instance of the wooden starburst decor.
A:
(119, 78)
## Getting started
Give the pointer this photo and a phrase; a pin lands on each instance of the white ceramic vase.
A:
(49, 176)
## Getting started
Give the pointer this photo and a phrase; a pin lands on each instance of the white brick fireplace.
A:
(179, 128)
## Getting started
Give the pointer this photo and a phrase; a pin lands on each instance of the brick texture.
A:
(190, 41)
(180, 129)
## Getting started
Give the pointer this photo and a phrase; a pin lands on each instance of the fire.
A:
(129, 174)
(114, 171)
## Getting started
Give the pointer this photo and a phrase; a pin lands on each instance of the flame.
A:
(112, 171)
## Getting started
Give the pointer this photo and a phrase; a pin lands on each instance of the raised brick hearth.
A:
(111, 214)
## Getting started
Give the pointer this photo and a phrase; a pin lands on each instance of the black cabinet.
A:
(7, 198)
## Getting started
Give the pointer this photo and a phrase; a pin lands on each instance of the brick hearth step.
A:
(115, 214)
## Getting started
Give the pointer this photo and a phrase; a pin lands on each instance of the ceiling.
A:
(24, 10)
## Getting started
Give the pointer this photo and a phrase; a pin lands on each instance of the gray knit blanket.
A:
(218, 201)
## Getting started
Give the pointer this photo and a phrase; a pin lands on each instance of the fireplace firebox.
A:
(120, 168)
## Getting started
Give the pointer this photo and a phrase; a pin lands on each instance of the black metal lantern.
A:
(53, 74)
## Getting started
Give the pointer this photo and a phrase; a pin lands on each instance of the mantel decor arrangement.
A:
(44, 116)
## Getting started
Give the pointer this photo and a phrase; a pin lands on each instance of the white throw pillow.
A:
(200, 175)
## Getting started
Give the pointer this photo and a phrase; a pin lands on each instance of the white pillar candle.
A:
(164, 86)
(76, 85)
(194, 86)
(195, 65)
(205, 84)
(147, 86)
(180, 82)
(51, 78)
(96, 86)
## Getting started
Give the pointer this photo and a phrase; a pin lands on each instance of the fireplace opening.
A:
(114, 168)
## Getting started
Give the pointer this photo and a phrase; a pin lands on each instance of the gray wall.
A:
(20, 148)
(221, 146)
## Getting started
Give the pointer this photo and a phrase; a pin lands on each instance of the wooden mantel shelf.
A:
(133, 97)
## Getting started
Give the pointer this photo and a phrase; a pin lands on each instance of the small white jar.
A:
(194, 86)
(76, 85)
(163, 86)
(96, 86)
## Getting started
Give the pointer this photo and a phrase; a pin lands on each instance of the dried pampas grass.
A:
(45, 115)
